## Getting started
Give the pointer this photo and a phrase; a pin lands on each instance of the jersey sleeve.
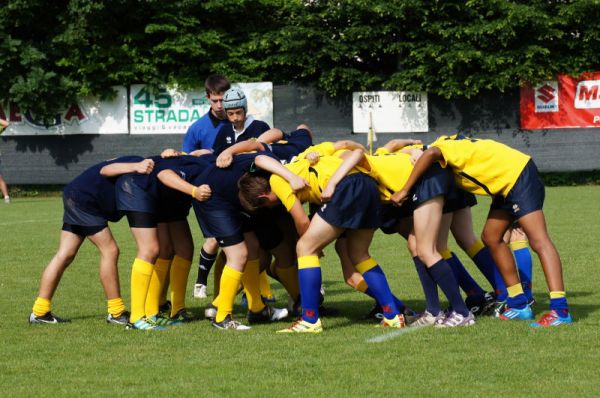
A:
(454, 153)
(282, 189)
(219, 144)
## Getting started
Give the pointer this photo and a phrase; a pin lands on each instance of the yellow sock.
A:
(230, 279)
(115, 306)
(250, 280)
(41, 306)
(557, 294)
(265, 286)
(475, 248)
(157, 284)
(446, 254)
(141, 273)
(518, 244)
(514, 290)
(362, 286)
(289, 279)
(180, 269)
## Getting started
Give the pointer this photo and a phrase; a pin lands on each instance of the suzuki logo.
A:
(546, 93)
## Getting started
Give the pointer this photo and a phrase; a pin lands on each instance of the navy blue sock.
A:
(399, 303)
(560, 305)
(442, 274)
(525, 266)
(486, 264)
(379, 287)
(430, 290)
(464, 279)
(310, 285)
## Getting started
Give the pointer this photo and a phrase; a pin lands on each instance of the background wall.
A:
(57, 159)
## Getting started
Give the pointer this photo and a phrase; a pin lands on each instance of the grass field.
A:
(90, 358)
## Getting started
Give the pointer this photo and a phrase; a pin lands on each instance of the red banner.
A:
(564, 103)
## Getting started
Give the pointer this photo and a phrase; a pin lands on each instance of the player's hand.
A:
(399, 197)
(224, 159)
(415, 154)
(145, 166)
(170, 153)
(327, 193)
(203, 193)
(298, 183)
(313, 158)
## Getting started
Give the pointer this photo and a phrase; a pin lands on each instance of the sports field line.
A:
(22, 222)
(394, 334)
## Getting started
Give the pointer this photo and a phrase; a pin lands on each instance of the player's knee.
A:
(411, 245)
(149, 252)
(491, 239)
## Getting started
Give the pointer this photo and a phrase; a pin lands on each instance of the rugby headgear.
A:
(235, 98)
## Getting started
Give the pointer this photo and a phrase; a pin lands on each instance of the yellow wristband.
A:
(194, 192)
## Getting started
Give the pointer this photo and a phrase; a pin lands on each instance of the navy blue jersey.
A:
(226, 135)
(223, 182)
(94, 193)
(292, 145)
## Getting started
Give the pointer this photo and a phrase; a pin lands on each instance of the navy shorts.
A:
(174, 206)
(74, 215)
(130, 197)
(458, 199)
(526, 196)
(436, 181)
(391, 215)
(226, 225)
(354, 205)
(83, 230)
(268, 225)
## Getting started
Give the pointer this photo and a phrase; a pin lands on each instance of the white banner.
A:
(389, 112)
(88, 116)
(171, 111)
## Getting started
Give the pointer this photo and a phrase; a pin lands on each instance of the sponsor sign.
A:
(87, 116)
(172, 111)
(567, 102)
(389, 112)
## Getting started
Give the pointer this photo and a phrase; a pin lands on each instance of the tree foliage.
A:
(54, 52)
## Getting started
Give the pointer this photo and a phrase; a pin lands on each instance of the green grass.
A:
(90, 358)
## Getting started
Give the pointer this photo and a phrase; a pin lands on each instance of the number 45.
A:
(144, 97)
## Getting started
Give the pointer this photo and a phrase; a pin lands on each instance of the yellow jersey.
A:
(389, 170)
(481, 166)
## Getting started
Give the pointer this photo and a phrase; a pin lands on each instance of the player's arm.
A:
(200, 152)
(348, 164)
(431, 155)
(116, 169)
(272, 135)
(226, 157)
(348, 144)
(273, 166)
(399, 143)
(3, 124)
(301, 220)
(172, 180)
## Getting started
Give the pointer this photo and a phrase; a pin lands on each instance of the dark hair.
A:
(215, 84)
(251, 187)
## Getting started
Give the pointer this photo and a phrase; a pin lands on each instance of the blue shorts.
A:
(297, 142)
(526, 196)
(81, 230)
(268, 224)
(391, 215)
(131, 197)
(458, 199)
(174, 206)
(436, 181)
(74, 215)
(355, 204)
(220, 221)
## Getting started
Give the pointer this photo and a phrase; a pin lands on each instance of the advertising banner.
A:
(564, 103)
(87, 116)
(389, 112)
(172, 111)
